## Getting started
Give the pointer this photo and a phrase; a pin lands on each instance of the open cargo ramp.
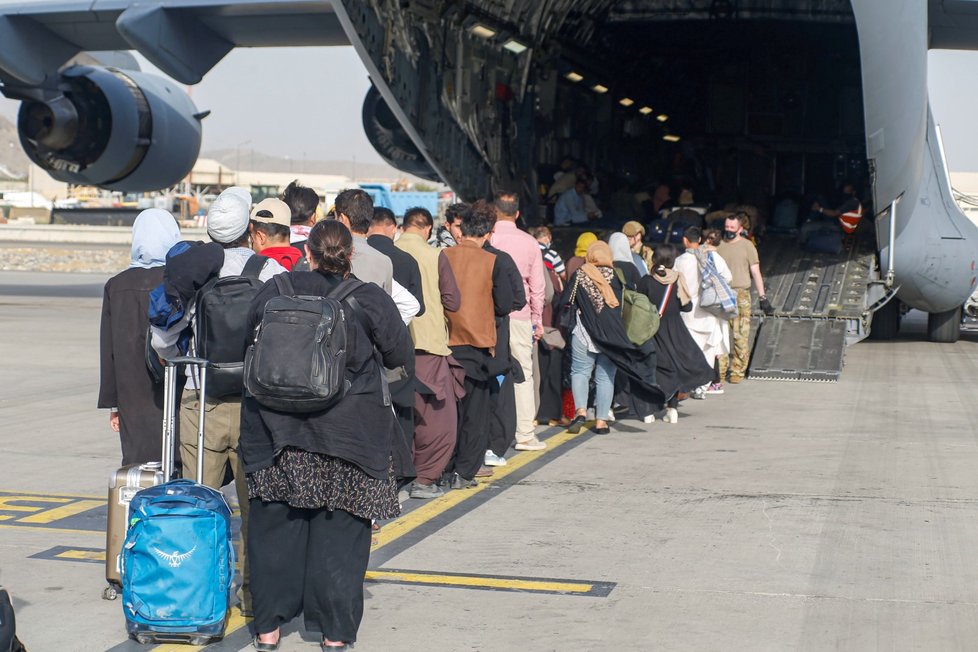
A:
(821, 305)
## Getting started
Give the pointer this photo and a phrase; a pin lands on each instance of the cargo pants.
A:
(222, 429)
(740, 336)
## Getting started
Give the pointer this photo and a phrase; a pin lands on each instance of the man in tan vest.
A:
(439, 376)
(472, 336)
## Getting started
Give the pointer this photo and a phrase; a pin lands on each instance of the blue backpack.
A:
(177, 564)
(716, 296)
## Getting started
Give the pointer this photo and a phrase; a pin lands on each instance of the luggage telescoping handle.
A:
(169, 414)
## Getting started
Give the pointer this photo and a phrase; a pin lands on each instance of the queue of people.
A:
(461, 341)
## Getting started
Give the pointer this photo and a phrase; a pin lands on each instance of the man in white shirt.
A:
(570, 205)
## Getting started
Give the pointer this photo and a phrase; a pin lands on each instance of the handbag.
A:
(567, 319)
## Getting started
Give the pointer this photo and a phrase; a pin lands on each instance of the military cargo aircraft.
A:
(759, 95)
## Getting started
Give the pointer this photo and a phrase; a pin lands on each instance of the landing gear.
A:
(944, 327)
(886, 321)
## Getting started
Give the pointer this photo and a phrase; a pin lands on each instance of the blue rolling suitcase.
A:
(178, 559)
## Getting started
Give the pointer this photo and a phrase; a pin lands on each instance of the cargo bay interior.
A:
(760, 106)
(744, 106)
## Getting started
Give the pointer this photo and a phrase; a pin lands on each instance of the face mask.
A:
(729, 235)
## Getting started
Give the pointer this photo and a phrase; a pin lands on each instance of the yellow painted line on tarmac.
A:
(27, 495)
(7, 502)
(61, 530)
(476, 582)
(397, 529)
(58, 513)
(84, 555)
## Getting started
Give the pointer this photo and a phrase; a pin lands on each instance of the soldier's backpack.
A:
(221, 334)
(640, 316)
(297, 362)
(716, 296)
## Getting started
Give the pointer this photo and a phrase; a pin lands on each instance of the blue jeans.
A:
(582, 364)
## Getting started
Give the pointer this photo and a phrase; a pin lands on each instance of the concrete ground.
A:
(778, 516)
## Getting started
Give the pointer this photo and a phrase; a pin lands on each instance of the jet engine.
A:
(391, 140)
(117, 129)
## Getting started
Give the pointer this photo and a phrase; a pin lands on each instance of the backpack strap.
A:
(342, 293)
(284, 284)
(253, 266)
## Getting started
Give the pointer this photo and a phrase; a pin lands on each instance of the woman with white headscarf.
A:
(126, 387)
(624, 262)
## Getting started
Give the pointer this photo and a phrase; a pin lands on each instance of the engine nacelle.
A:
(117, 129)
(390, 139)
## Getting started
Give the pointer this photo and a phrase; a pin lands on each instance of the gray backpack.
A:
(297, 362)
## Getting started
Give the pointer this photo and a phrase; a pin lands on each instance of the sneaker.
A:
(611, 415)
(671, 416)
(530, 445)
(483, 472)
(715, 388)
(699, 393)
(458, 482)
(649, 419)
(736, 379)
(424, 491)
(494, 460)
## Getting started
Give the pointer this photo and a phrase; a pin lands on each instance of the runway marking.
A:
(59, 513)
(24, 509)
(65, 553)
(408, 577)
(492, 582)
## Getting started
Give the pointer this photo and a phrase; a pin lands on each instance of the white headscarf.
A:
(620, 251)
(154, 232)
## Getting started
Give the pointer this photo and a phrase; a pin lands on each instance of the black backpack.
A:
(221, 334)
(298, 360)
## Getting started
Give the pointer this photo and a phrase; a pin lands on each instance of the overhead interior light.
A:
(626, 101)
(645, 110)
(662, 117)
(671, 138)
(598, 88)
(480, 30)
(573, 76)
(514, 46)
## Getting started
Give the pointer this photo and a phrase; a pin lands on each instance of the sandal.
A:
(266, 647)
(342, 647)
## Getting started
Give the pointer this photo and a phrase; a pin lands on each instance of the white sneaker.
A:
(590, 414)
(494, 460)
(530, 445)
(649, 419)
(611, 415)
(671, 416)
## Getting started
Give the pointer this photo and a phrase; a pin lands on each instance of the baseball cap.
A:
(227, 218)
(281, 213)
(633, 228)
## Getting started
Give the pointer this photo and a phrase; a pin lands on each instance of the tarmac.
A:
(778, 516)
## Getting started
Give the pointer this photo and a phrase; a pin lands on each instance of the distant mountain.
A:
(252, 160)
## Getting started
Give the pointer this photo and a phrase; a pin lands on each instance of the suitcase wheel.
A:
(110, 593)
(144, 639)
(200, 640)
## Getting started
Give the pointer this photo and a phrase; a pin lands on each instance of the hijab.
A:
(670, 276)
(583, 242)
(620, 250)
(597, 274)
(154, 232)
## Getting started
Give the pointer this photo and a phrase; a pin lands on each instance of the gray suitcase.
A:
(126, 481)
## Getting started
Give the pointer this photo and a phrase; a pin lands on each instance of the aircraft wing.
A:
(953, 24)
(183, 38)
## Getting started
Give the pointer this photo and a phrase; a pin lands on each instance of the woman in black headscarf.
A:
(315, 480)
(681, 366)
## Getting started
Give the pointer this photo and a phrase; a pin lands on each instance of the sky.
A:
(305, 103)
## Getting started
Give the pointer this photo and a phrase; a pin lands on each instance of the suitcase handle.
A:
(186, 359)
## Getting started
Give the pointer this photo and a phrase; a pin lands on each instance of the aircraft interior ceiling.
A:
(769, 105)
